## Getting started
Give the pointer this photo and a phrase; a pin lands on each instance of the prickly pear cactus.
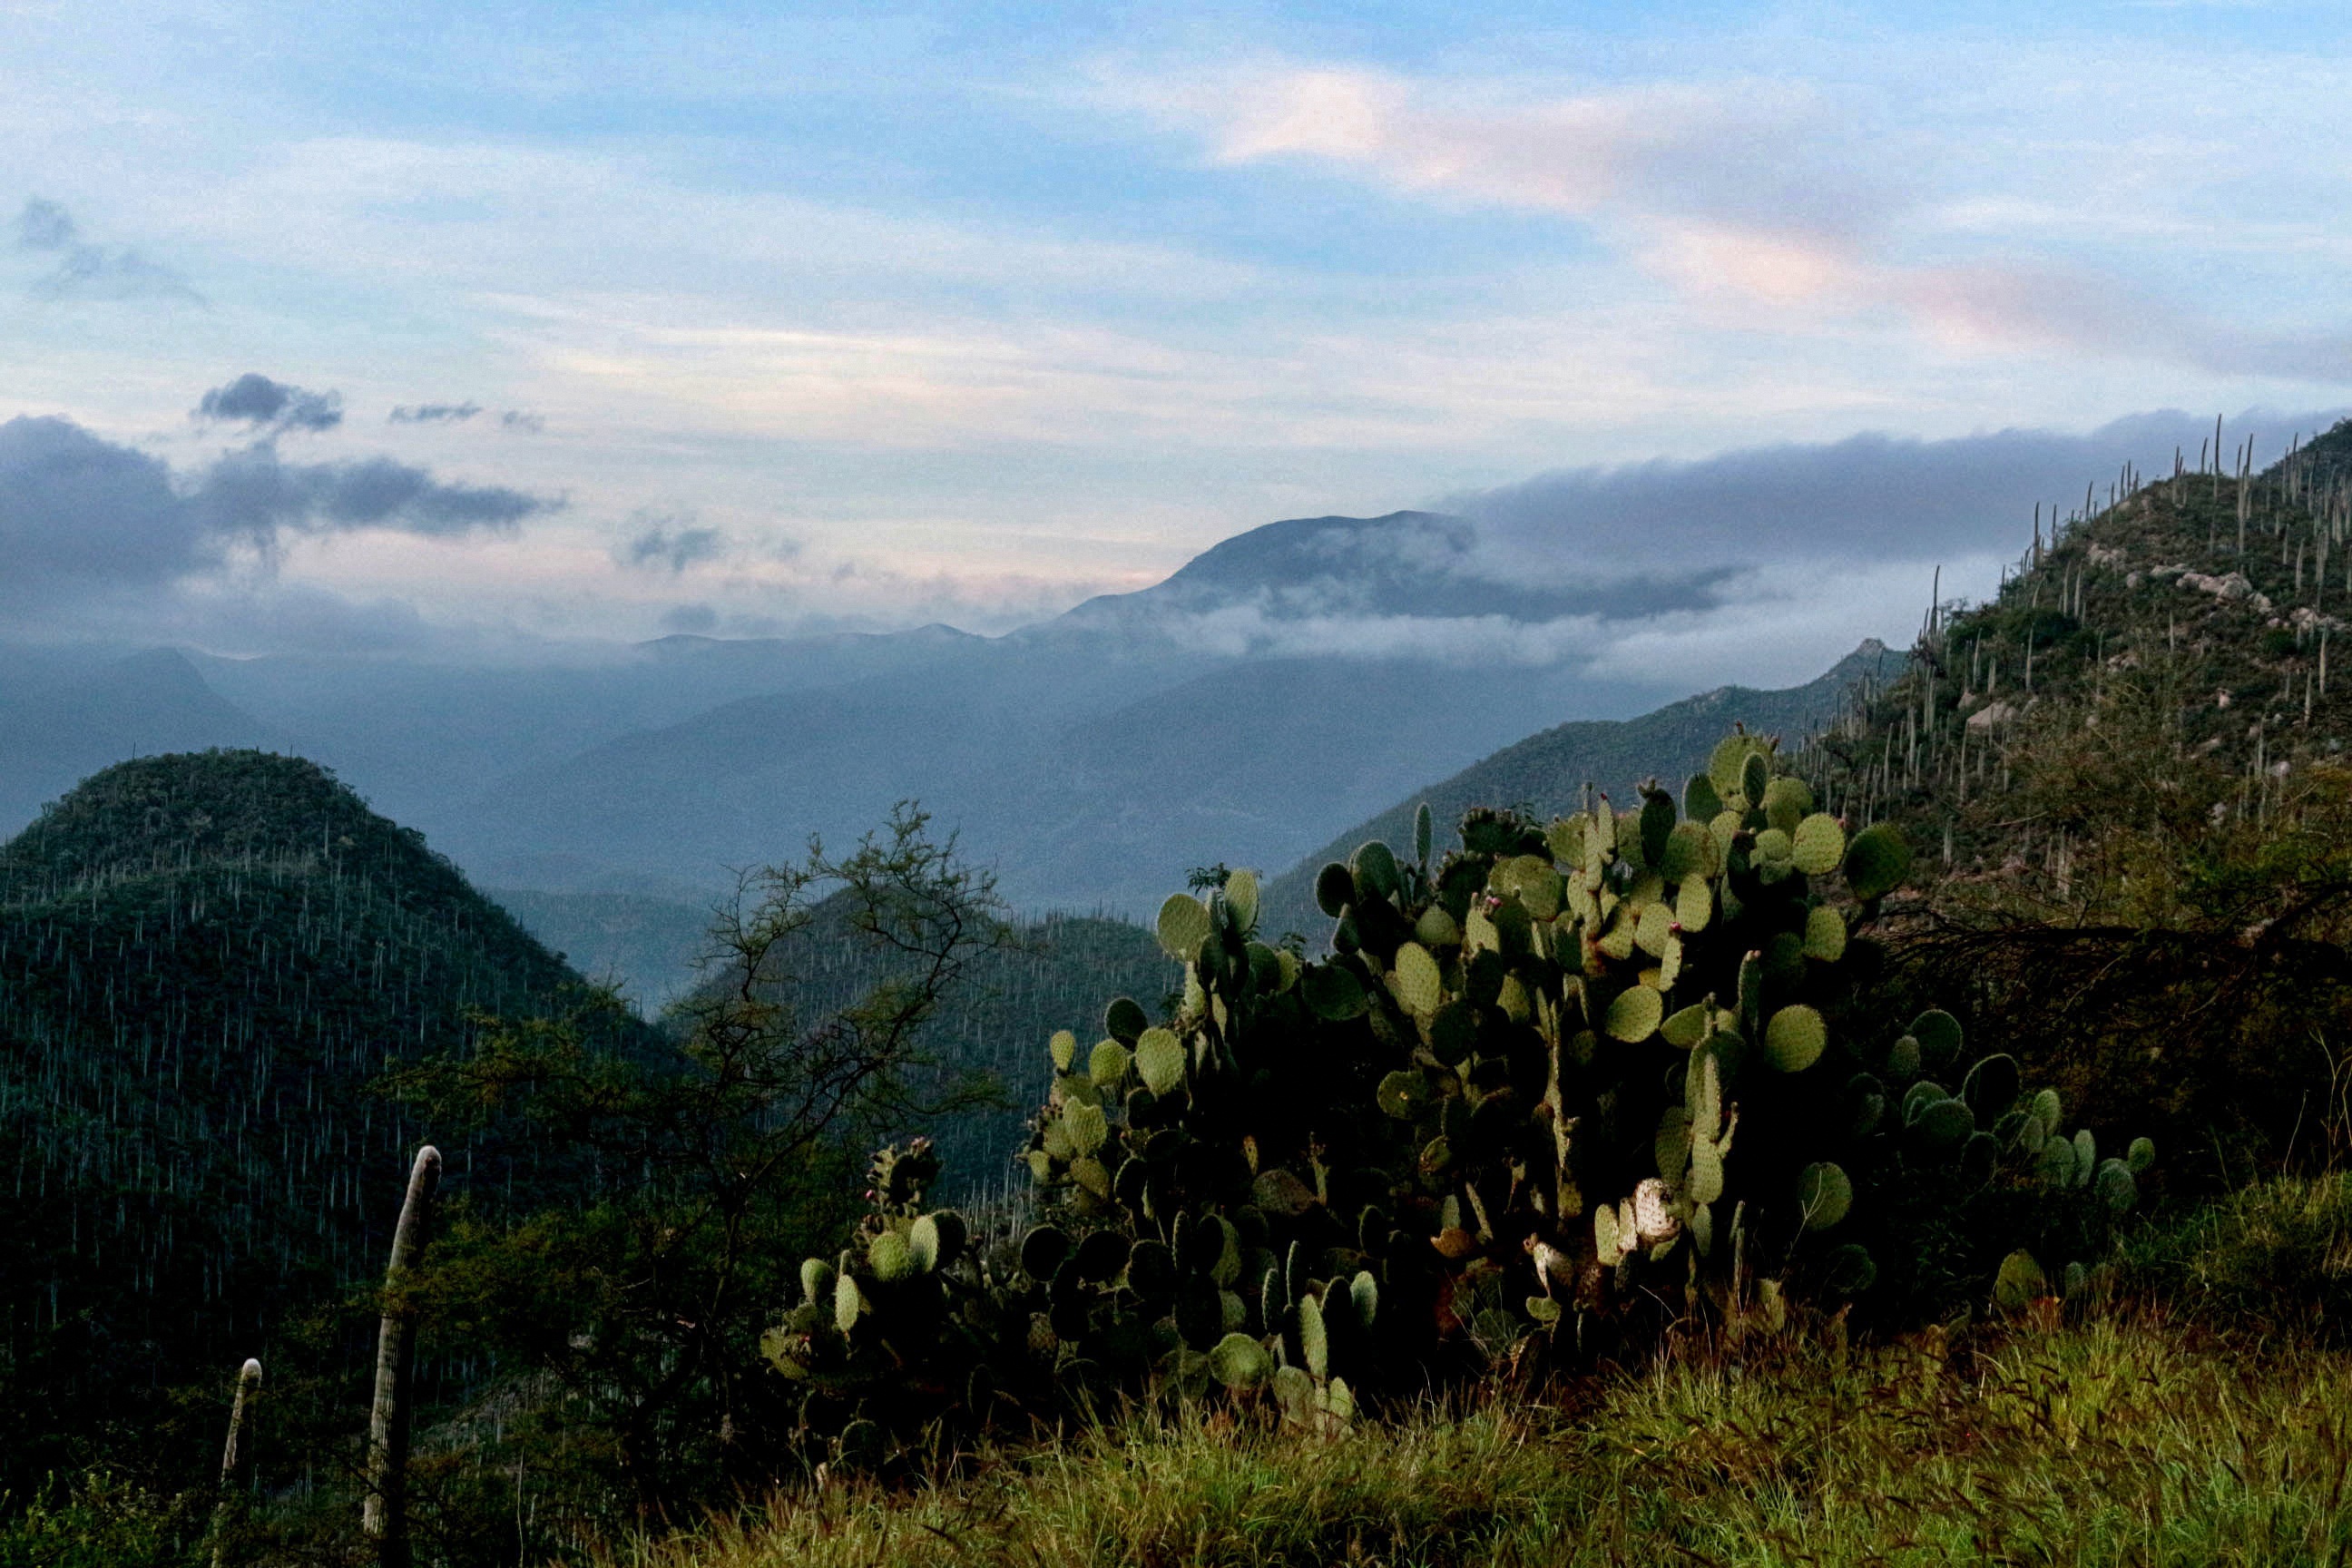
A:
(1566, 1070)
(1567, 1080)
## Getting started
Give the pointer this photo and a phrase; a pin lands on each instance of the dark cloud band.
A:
(80, 515)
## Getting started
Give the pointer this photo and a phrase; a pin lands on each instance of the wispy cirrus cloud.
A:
(81, 268)
(1770, 195)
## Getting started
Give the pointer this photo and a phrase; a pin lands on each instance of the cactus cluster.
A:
(892, 1302)
(1568, 1075)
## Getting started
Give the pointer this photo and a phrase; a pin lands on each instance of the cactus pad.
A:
(1418, 985)
(1183, 926)
(848, 1302)
(1634, 1014)
(1332, 992)
(1795, 1038)
(1043, 1251)
(2019, 1283)
(1824, 1195)
(1375, 868)
(1241, 1363)
(1159, 1060)
(1701, 803)
(1938, 1034)
(1825, 934)
(1877, 861)
(1945, 1125)
(1241, 897)
(1107, 1064)
(889, 1255)
(1817, 844)
(1851, 1270)
(1314, 1342)
(2115, 1186)
(1124, 1020)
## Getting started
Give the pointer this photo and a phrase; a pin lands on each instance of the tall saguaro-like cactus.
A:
(235, 1455)
(384, 1515)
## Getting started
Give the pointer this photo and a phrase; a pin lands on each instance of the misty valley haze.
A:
(1286, 684)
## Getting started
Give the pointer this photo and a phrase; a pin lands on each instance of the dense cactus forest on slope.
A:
(209, 964)
(2127, 775)
(206, 961)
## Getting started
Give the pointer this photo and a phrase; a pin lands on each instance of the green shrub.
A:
(2276, 1257)
(99, 1521)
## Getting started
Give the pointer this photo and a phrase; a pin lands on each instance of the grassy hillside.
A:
(1548, 772)
(204, 961)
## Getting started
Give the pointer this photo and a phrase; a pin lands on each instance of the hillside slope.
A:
(2127, 777)
(205, 959)
(1547, 772)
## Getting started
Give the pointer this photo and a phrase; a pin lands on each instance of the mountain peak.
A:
(186, 808)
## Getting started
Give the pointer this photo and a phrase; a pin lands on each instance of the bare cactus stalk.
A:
(384, 1517)
(235, 1454)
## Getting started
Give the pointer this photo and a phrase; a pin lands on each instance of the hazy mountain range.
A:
(1286, 683)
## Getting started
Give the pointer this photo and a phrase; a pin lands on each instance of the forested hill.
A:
(205, 961)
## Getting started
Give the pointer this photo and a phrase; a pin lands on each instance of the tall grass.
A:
(2124, 1441)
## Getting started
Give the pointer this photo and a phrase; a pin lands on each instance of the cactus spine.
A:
(384, 1517)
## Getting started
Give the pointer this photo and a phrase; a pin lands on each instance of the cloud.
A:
(255, 400)
(522, 423)
(252, 492)
(84, 270)
(1871, 497)
(434, 413)
(1761, 566)
(83, 518)
(663, 545)
(1755, 193)
(692, 619)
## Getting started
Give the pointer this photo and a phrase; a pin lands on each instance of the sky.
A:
(498, 325)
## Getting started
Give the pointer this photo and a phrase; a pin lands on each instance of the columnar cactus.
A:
(383, 1513)
(236, 1455)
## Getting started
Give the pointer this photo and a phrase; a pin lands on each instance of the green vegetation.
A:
(1763, 1170)
(2123, 1441)
(1498, 1123)
(234, 1002)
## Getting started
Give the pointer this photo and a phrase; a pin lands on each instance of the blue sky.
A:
(967, 313)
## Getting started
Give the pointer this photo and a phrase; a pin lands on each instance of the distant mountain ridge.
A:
(1284, 683)
(1546, 774)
